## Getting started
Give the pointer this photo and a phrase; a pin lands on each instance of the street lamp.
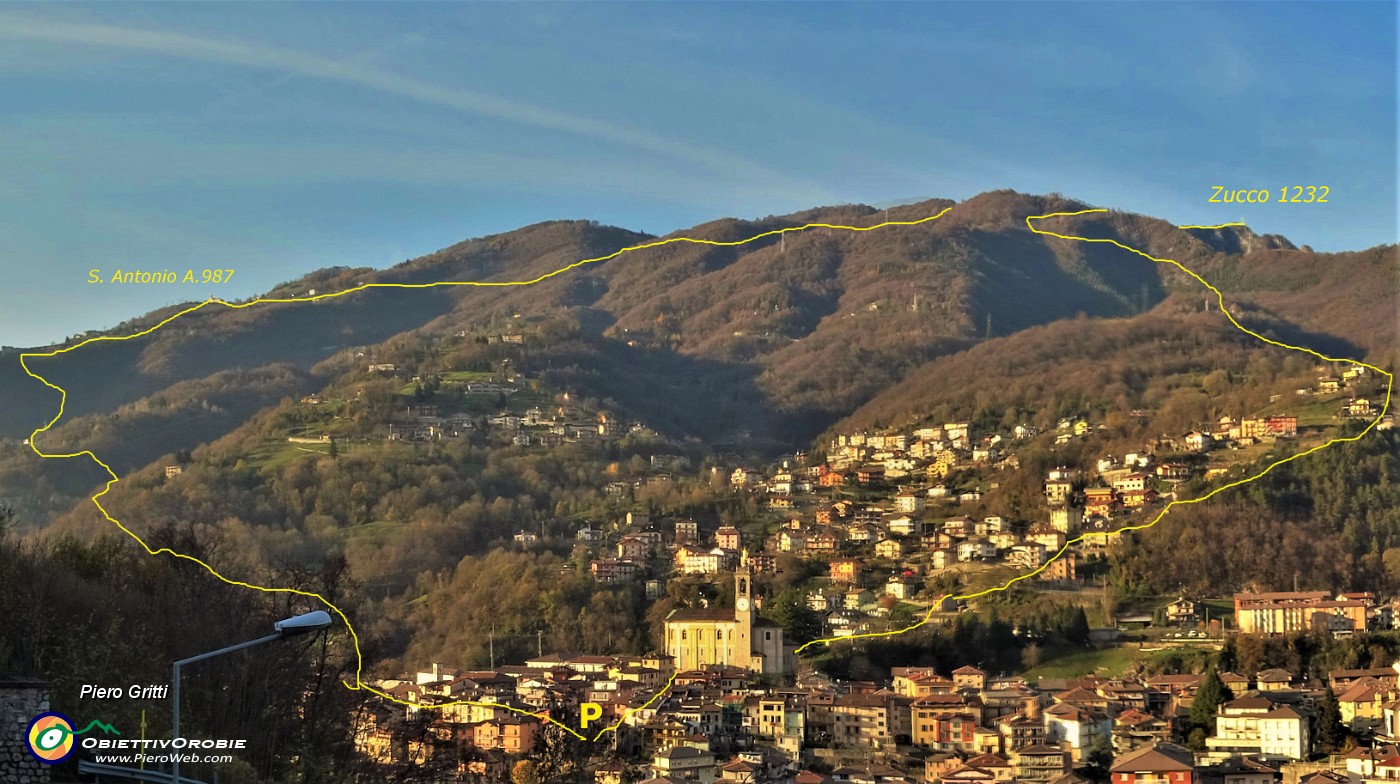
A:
(297, 625)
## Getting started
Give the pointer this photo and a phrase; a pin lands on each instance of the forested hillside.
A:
(805, 329)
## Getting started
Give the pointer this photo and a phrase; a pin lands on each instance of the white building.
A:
(1256, 726)
(1076, 727)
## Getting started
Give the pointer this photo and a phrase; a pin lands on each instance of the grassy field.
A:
(1105, 662)
(1311, 411)
(376, 533)
(1221, 609)
(468, 375)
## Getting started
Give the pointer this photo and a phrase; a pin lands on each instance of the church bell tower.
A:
(743, 618)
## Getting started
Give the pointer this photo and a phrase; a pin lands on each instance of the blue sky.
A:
(276, 138)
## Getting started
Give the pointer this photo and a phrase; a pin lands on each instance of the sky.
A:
(274, 139)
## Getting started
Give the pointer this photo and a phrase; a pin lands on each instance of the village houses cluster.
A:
(738, 723)
(905, 529)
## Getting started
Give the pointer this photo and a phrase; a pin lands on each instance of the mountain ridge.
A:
(789, 336)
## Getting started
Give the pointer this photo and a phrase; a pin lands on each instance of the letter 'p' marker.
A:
(588, 712)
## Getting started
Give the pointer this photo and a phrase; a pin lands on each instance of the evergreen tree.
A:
(1211, 694)
(789, 610)
(1078, 631)
(1228, 659)
(1099, 755)
(1331, 733)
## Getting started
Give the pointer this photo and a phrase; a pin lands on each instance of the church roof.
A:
(683, 614)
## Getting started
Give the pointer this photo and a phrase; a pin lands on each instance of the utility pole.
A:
(989, 326)
(491, 647)
(539, 642)
(782, 242)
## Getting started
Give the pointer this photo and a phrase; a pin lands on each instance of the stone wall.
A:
(20, 701)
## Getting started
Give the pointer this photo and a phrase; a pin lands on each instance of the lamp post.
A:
(297, 625)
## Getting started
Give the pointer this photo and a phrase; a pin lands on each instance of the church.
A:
(734, 637)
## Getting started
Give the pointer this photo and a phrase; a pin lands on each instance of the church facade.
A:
(733, 637)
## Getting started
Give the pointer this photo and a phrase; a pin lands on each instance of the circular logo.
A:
(50, 737)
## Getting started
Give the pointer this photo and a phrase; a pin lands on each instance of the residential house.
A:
(1244, 770)
(1047, 537)
(1027, 556)
(1183, 612)
(1197, 441)
(633, 547)
(832, 479)
(1066, 519)
(1133, 729)
(744, 477)
(685, 763)
(1136, 499)
(1019, 731)
(864, 532)
(688, 531)
(889, 548)
(1360, 407)
(512, 734)
(982, 764)
(902, 525)
(970, 677)
(728, 537)
(1058, 491)
(1130, 482)
(613, 571)
(975, 550)
(870, 475)
(908, 502)
(857, 598)
(1173, 472)
(919, 682)
(900, 587)
(1076, 728)
(845, 570)
(1160, 763)
(1061, 569)
(822, 601)
(1102, 502)
(1041, 763)
(791, 541)
(937, 726)
(959, 526)
(821, 543)
(1256, 726)
(1362, 704)
(873, 720)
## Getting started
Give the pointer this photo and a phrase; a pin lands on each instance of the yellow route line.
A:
(1219, 226)
(1220, 297)
(359, 684)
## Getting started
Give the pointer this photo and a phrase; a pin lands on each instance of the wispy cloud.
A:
(293, 61)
